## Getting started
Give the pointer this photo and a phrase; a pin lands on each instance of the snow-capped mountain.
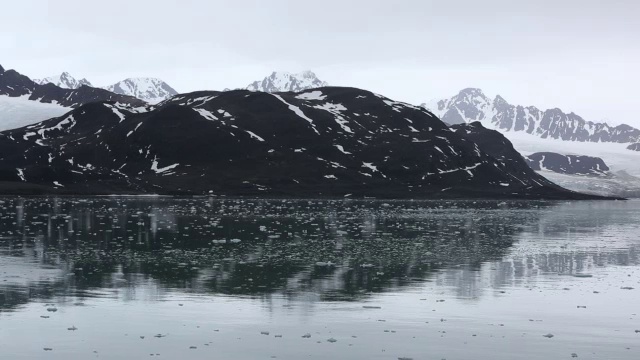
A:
(151, 90)
(473, 105)
(64, 80)
(14, 84)
(333, 142)
(284, 81)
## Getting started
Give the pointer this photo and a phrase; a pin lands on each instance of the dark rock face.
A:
(634, 147)
(472, 105)
(568, 164)
(497, 145)
(14, 84)
(327, 142)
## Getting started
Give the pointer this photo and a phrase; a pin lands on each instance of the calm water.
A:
(131, 278)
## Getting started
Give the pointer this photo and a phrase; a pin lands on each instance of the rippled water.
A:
(128, 278)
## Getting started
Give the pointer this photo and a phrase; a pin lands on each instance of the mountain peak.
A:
(64, 80)
(471, 91)
(1, 69)
(281, 81)
(151, 90)
(500, 100)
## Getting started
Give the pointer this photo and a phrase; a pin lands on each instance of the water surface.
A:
(205, 278)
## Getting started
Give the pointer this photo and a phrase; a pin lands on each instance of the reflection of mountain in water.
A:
(311, 250)
(569, 239)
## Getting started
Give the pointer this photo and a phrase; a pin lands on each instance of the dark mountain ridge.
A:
(325, 142)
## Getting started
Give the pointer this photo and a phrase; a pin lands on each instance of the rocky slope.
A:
(568, 164)
(473, 105)
(284, 81)
(330, 142)
(634, 147)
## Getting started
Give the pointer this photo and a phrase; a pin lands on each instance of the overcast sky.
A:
(582, 56)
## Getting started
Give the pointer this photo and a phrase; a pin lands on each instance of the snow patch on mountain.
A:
(284, 81)
(17, 112)
(151, 90)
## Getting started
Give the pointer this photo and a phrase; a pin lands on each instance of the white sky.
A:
(580, 56)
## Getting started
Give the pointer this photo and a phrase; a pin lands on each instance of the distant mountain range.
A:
(330, 142)
(473, 105)
(150, 90)
(14, 84)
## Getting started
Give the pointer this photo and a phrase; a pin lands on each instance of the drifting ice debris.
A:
(331, 340)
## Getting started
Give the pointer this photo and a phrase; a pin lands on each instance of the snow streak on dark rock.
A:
(326, 142)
